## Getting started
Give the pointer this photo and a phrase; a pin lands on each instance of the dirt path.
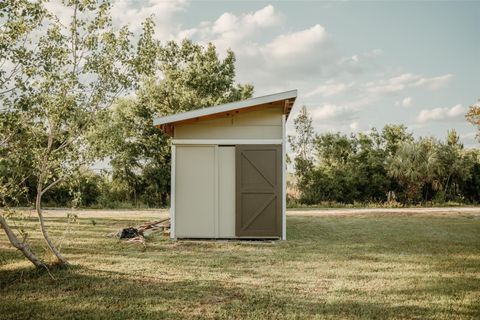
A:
(162, 213)
(109, 213)
(386, 211)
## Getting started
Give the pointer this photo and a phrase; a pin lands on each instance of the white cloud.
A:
(227, 22)
(408, 80)
(230, 31)
(273, 59)
(331, 111)
(134, 12)
(435, 82)
(266, 17)
(293, 57)
(297, 44)
(439, 114)
(330, 88)
(456, 111)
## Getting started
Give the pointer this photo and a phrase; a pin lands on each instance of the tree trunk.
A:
(43, 228)
(446, 186)
(22, 246)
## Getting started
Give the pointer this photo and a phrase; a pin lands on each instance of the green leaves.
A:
(60, 76)
(191, 77)
(473, 115)
(366, 167)
(432, 165)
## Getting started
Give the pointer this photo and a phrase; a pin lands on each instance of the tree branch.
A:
(51, 185)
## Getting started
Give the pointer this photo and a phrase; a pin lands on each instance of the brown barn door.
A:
(258, 190)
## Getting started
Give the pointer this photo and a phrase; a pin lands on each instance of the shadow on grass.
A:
(83, 293)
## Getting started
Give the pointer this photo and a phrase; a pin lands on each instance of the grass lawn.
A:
(367, 265)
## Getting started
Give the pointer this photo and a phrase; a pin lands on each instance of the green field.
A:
(344, 265)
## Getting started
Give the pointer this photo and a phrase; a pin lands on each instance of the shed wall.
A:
(260, 124)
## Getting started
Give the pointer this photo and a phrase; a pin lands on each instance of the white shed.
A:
(228, 169)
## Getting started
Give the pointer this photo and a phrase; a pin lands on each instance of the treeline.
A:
(387, 166)
(102, 189)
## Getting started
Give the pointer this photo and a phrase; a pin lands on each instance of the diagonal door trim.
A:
(259, 211)
(256, 168)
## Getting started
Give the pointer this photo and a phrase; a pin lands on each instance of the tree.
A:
(455, 164)
(302, 142)
(335, 153)
(14, 165)
(354, 166)
(302, 146)
(335, 149)
(393, 135)
(193, 77)
(78, 71)
(19, 18)
(414, 165)
(473, 115)
(469, 185)
(368, 169)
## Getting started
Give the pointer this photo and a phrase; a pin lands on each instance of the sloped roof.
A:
(283, 99)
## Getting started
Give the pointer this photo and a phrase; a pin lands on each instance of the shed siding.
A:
(261, 124)
(194, 191)
(226, 192)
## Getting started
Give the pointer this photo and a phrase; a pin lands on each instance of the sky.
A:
(356, 65)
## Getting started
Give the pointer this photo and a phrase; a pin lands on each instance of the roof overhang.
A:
(284, 100)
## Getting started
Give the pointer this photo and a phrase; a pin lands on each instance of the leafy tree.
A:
(414, 165)
(335, 153)
(469, 185)
(139, 152)
(368, 168)
(393, 135)
(355, 165)
(335, 149)
(473, 115)
(18, 19)
(302, 146)
(76, 71)
(81, 190)
(193, 76)
(302, 142)
(455, 165)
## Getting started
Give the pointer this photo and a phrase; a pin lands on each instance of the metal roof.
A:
(287, 96)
